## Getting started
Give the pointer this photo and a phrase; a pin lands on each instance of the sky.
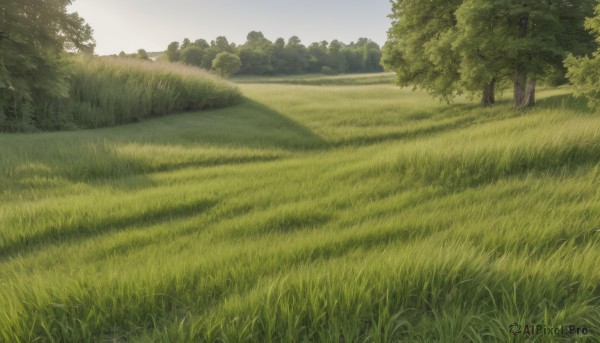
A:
(129, 25)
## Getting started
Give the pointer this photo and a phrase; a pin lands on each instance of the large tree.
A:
(450, 46)
(522, 39)
(419, 46)
(34, 35)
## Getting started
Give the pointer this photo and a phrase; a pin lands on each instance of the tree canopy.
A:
(34, 35)
(226, 64)
(452, 46)
(584, 72)
(260, 56)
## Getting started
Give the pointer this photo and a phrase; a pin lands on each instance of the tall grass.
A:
(110, 91)
(306, 214)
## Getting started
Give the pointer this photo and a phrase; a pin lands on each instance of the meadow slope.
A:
(306, 213)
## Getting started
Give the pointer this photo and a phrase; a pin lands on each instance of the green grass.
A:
(306, 213)
(112, 91)
(322, 80)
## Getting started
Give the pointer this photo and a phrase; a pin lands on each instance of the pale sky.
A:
(129, 25)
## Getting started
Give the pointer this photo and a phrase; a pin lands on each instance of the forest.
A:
(260, 56)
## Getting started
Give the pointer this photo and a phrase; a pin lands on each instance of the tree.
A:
(192, 55)
(338, 61)
(419, 47)
(280, 60)
(226, 64)
(202, 44)
(371, 55)
(142, 55)
(256, 54)
(34, 36)
(584, 72)
(319, 57)
(221, 44)
(209, 56)
(186, 43)
(173, 54)
(448, 47)
(520, 38)
(297, 55)
(354, 58)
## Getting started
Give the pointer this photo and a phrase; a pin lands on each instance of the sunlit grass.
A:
(306, 213)
(322, 80)
(111, 91)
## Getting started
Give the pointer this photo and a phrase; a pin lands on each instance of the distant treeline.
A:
(260, 56)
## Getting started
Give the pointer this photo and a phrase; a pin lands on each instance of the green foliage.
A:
(142, 55)
(259, 56)
(584, 72)
(448, 47)
(529, 39)
(254, 62)
(33, 68)
(419, 48)
(227, 64)
(368, 214)
(173, 54)
(192, 55)
(290, 58)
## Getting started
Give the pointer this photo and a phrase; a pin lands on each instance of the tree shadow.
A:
(250, 132)
(460, 123)
(250, 124)
(565, 102)
(84, 229)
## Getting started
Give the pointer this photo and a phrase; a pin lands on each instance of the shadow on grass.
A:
(250, 124)
(406, 135)
(440, 120)
(256, 125)
(86, 229)
(566, 102)
(247, 133)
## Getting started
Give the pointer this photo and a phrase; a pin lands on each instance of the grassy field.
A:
(322, 80)
(306, 214)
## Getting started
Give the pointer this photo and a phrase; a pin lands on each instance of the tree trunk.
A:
(529, 99)
(520, 85)
(489, 97)
(520, 70)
